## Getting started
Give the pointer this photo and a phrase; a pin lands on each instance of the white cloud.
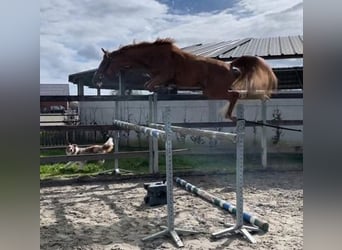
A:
(285, 19)
(72, 32)
(257, 7)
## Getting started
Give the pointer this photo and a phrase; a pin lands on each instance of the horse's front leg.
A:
(148, 85)
(157, 80)
(232, 97)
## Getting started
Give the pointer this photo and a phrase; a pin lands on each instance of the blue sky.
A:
(197, 6)
(72, 32)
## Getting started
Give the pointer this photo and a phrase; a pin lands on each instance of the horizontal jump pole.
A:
(199, 132)
(221, 203)
(146, 130)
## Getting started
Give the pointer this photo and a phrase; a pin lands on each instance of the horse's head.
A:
(102, 70)
(111, 64)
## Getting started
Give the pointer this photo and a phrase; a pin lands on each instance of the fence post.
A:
(263, 135)
(150, 138)
(155, 140)
(117, 133)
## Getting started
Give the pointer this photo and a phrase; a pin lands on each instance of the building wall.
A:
(53, 90)
(203, 111)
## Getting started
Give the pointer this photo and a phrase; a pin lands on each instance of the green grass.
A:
(188, 163)
(58, 170)
(136, 165)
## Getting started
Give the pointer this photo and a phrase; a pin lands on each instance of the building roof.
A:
(54, 89)
(268, 48)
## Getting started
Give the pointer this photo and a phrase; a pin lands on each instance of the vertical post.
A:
(116, 139)
(67, 137)
(121, 84)
(98, 91)
(117, 133)
(240, 131)
(263, 135)
(116, 149)
(169, 169)
(239, 227)
(78, 119)
(170, 229)
(80, 89)
(155, 140)
(150, 138)
(73, 135)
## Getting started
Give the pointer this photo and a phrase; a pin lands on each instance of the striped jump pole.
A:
(221, 203)
(199, 132)
(143, 129)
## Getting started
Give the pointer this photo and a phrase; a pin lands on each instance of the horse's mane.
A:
(159, 41)
(164, 41)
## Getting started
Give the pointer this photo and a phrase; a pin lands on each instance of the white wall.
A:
(203, 111)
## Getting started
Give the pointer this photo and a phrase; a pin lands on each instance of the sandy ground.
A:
(114, 216)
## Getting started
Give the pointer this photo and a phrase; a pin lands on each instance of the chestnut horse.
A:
(244, 77)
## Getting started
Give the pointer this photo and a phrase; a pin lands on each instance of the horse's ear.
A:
(106, 53)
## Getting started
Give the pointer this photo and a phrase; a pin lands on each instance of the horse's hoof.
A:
(232, 118)
(147, 86)
(150, 87)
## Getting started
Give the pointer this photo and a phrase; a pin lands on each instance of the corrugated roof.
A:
(268, 48)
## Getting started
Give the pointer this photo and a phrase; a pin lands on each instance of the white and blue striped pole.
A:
(225, 205)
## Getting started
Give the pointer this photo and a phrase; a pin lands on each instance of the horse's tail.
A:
(256, 78)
